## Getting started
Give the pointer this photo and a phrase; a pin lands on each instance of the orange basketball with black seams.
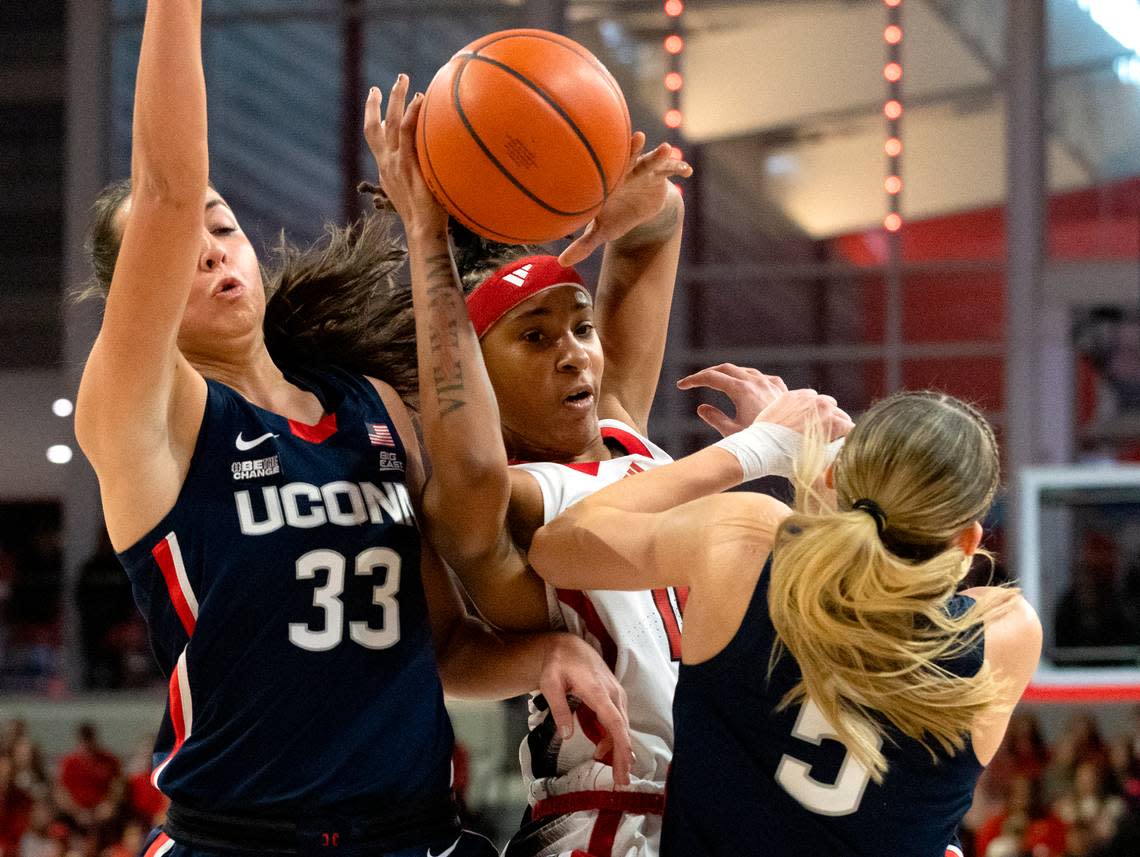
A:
(523, 135)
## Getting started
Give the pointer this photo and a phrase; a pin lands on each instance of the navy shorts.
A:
(469, 844)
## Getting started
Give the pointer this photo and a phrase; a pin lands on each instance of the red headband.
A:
(514, 283)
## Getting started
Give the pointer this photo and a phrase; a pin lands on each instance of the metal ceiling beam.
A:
(808, 125)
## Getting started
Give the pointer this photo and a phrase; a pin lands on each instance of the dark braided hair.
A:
(476, 257)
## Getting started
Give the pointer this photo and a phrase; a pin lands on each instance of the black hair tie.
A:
(875, 511)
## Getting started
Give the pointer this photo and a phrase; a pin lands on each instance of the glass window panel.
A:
(128, 9)
(1089, 547)
(275, 121)
(419, 45)
(1096, 119)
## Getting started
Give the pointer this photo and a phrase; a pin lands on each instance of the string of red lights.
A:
(674, 81)
(893, 111)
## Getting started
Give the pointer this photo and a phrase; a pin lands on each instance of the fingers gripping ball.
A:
(523, 135)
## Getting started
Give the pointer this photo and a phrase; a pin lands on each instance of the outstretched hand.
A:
(637, 199)
(392, 141)
(749, 390)
(573, 668)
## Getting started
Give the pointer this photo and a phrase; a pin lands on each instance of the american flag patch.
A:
(379, 434)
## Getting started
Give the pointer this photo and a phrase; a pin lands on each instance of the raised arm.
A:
(768, 447)
(468, 490)
(641, 227)
(478, 662)
(716, 546)
(656, 528)
(139, 401)
(659, 528)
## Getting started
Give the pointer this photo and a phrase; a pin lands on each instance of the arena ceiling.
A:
(795, 89)
(784, 97)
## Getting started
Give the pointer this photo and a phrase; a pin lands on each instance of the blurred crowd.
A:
(1076, 797)
(88, 803)
(91, 803)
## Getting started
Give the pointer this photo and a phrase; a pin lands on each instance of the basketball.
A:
(523, 135)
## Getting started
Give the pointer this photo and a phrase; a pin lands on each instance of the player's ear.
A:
(829, 476)
(970, 538)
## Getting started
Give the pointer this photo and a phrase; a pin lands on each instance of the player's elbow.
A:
(550, 543)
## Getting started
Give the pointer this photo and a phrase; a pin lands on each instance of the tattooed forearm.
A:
(446, 311)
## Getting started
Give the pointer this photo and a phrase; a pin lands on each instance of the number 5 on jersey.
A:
(841, 797)
(327, 598)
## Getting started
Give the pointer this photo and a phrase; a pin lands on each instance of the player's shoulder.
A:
(1013, 631)
(397, 409)
(738, 530)
(406, 422)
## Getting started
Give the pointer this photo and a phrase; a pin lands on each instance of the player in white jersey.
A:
(638, 635)
(529, 327)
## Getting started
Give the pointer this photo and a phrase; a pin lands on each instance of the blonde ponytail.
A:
(859, 596)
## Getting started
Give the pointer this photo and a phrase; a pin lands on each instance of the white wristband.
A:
(768, 449)
(764, 449)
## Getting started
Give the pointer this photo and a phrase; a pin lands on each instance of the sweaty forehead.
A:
(562, 298)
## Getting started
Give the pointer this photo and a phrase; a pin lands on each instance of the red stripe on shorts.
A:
(156, 846)
(605, 829)
(631, 803)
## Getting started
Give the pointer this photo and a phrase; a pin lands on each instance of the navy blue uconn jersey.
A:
(749, 780)
(283, 598)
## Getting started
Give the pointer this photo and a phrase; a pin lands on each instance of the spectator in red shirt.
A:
(145, 803)
(90, 786)
(15, 810)
(1026, 827)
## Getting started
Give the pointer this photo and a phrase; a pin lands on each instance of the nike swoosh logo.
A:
(246, 445)
(445, 853)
